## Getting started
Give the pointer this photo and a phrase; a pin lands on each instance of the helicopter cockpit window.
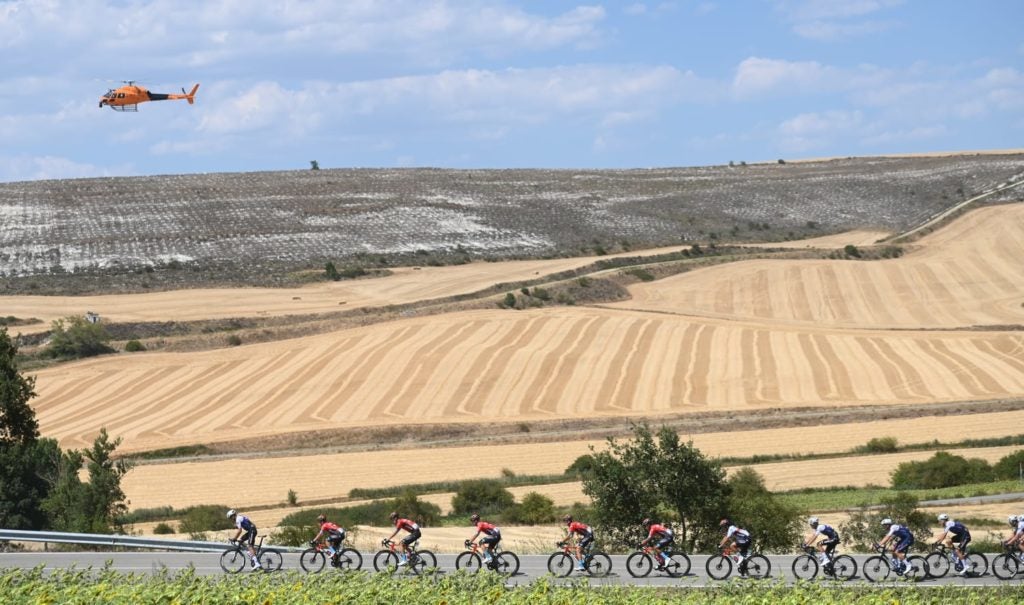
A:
(120, 95)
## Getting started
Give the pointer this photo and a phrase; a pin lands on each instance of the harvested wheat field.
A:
(967, 274)
(404, 285)
(515, 365)
(331, 476)
(859, 237)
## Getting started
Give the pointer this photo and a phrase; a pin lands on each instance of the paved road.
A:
(533, 566)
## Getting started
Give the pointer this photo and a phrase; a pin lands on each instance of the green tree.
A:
(25, 459)
(864, 526)
(484, 496)
(331, 272)
(941, 470)
(535, 509)
(1009, 466)
(409, 506)
(74, 338)
(664, 479)
(773, 525)
(93, 507)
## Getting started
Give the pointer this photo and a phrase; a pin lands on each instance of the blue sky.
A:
(496, 83)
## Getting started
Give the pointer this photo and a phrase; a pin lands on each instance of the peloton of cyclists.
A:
(959, 536)
(586, 538)
(244, 524)
(664, 537)
(740, 539)
(492, 535)
(902, 539)
(412, 528)
(826, 544)
(335, 535)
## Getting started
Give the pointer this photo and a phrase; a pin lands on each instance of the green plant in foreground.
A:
(18, 587)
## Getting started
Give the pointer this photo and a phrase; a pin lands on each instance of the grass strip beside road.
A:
(841, 498)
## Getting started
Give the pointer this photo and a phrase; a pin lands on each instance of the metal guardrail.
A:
(56, 537)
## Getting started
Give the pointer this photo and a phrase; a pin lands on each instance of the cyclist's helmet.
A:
(646, 522)
(1012, 519)
(231, 513)
(474, 518)
(321, 518)
(567, 519)
(943, 517)
(886, 521)
(813, 522)
(724, 523)
(393, 516)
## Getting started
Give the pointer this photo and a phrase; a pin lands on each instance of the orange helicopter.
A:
(128, 97)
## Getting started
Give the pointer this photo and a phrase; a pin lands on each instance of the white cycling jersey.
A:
(1020, 526)
(742, 535)
(824, 529)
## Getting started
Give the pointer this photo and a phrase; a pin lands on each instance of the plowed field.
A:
(968, 273)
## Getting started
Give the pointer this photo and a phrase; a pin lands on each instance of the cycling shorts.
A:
(830, 545)
(336, 538)
(412, 537)
(491, 539)
(962, 540)
(586, 540)
(664, 543)
(249, 536)
(903, 544)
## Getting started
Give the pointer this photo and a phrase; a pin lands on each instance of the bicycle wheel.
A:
(639, 565)
(917, 568)
(506, 563)
(271, 560)
(844, 567)
(678, 565)
(424, 560)
(598, 564)
(348, 559)
(312, 560)
(470, 561)
(758, 567)
(384, 560)
(938, 564)
(233, 561)
(805, 567)
(977, 563)
(718, 567)
(877, 569)
(560, 564)
(1005, 567)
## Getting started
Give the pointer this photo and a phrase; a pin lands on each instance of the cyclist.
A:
(740, 539)
(586, 538)
(827, 546)
(492, 535)
(414, 534)
(335, 536)
(664, 537)
(956, 534)
(244, 524)
(1017, 538)
(902, 538)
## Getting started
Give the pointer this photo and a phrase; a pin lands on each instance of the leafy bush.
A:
(371, 513)
(234, 340)
(879, 445)
(641, 274)
(484, 496)
(535, 509)
(75, 338)
(331, 272)
(864, 527)
(204, 518)
(1009, 466)
(292, 498)
(581, 466)
(509, 301)
(851, 250)
(133, 346)
(163, 528)
(941, 470)
(773, 524)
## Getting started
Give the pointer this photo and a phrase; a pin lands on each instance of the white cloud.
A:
(902, 136)
(29, 168)
(757, 75)
(825, 20)
(810, 131)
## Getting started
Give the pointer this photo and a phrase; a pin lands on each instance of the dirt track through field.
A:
(968, 273)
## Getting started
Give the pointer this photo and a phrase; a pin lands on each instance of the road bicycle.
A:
(314, 558)
(563, 562)
(755, 565)
(1007, 565)
(388, 558)
(502, 561)
(805, 567)
(943, 558)
(233, 560)
(640, 563)
(877, 568)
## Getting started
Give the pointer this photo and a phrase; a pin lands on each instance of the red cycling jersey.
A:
(657, 528)
(579, 528)
(406, 524)
(330, 527)
(488, 528)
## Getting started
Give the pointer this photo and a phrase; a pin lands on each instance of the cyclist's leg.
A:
(583, 545)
